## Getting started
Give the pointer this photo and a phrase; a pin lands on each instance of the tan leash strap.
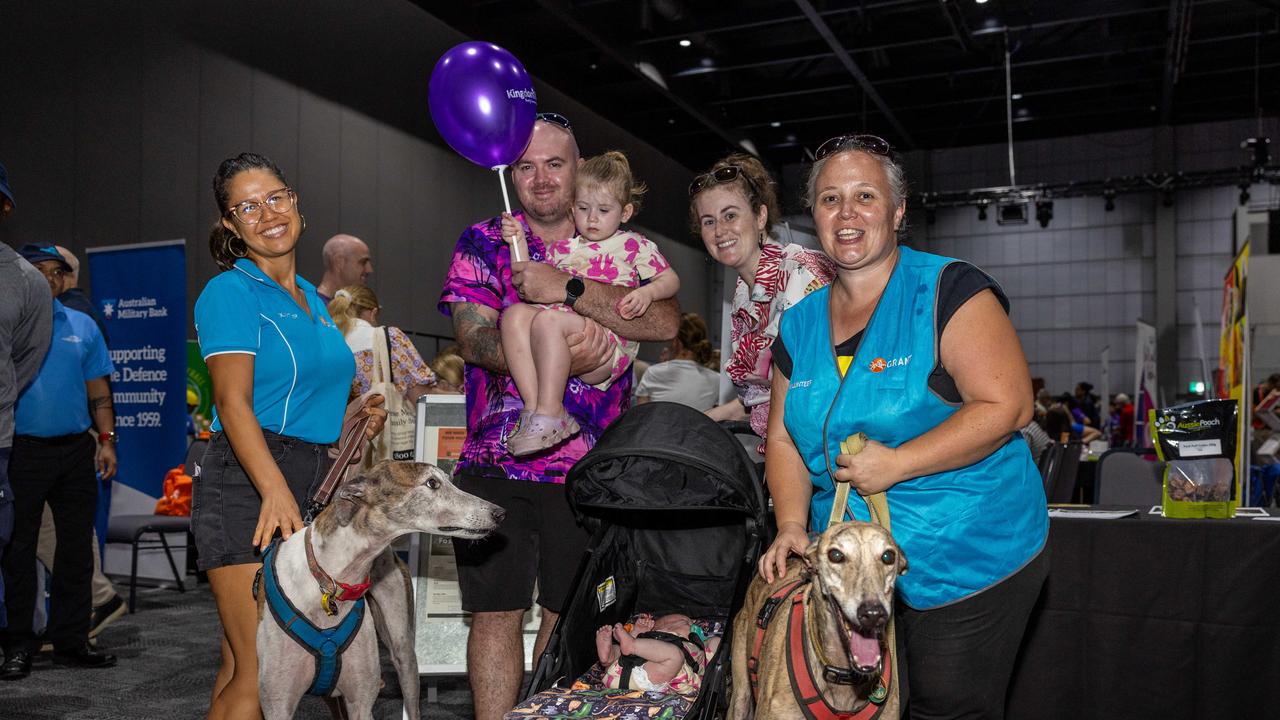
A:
(878, 507)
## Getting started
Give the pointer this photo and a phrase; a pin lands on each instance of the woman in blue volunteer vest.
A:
(280, 372)
(917, 351)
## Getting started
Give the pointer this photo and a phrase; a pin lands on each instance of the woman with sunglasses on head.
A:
(734, 207)
(917, 352)
(280, 371)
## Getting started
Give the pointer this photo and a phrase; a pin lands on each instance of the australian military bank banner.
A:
(141, 291)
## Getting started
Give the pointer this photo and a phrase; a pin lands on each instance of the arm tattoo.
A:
(479, 337)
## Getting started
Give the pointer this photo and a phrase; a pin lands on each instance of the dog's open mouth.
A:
(864, 644)
(465, 532)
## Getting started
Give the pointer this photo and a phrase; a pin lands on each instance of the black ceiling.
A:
(787, 74)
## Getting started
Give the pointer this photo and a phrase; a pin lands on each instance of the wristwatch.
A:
(107, 437)
(573, 290)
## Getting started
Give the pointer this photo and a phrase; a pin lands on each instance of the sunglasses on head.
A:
(556, 119)
(871, 143)
(726, 174)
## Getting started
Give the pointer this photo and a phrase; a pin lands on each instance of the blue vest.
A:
(962, 530)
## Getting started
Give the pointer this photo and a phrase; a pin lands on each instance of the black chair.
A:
(1058, 466)
(1050, 459)
(132, 529)
(1063, 487)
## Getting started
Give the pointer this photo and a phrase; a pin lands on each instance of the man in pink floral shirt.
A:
(539, 538)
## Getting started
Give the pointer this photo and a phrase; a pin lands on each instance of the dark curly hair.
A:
(225, 246)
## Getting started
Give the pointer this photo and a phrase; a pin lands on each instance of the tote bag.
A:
(396, 440)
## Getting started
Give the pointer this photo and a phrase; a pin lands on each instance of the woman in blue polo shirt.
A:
(280, 372)
(916, 351)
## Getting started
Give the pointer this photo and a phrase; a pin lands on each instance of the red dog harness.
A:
(803, 687)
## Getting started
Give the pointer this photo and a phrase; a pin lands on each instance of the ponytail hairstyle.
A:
(225, 246)
(611, 171)
(692, 336)
(348, 303)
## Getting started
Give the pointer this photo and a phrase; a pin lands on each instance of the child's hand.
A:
(634, 304)
(512, 231)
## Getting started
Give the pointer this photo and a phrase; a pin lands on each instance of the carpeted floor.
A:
(168, 654)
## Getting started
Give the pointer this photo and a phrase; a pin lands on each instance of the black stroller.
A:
(677, 513)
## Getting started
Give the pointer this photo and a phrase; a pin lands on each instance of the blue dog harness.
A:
(325, 644)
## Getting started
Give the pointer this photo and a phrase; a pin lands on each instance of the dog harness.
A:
(325, 644)
(803, 687)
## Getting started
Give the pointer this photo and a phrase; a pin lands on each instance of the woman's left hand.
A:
(875, 469)
(377, 415)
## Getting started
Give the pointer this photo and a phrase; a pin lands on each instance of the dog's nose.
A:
(872, 614)
(498, 514)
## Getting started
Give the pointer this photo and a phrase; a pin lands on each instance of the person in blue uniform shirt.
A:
(54, 460)
(917, 351)
(281, 371)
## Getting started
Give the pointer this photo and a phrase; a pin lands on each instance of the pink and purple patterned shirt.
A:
(480, 273)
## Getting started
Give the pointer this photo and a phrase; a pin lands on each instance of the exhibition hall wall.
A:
(1078, 285)
(116, 115)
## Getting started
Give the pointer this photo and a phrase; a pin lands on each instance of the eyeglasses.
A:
(249, 212)
(556, 119)
(871, 143)
(719, 176)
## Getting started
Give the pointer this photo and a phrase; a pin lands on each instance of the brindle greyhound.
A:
(349, 543)
(835, 616)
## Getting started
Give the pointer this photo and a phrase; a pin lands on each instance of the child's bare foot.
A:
(626, 642)
(642, 624)
(604, 645)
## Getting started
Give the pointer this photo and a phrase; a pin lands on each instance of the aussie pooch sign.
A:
(141, 291)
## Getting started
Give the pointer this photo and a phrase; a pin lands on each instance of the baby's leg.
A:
(550, 330)
(606, 651)
(517, 328)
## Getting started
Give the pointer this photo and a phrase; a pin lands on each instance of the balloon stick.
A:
(518, 250)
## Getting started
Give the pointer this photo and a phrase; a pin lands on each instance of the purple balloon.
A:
(483, 103)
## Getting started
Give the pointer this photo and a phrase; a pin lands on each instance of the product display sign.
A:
(442, 625)
(1233, 352)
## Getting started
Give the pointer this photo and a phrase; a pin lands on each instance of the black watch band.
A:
(573, 290)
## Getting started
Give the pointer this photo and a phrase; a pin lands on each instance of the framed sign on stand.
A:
(441, 624)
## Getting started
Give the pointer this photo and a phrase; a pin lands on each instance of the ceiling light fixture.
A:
(686, 42)
(1044, 212)
(775, 124)
(1016, 96)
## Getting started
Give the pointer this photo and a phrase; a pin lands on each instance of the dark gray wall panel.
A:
(316, 178)
(358, 179)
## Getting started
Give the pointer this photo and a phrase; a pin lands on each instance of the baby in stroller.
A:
(664, 654)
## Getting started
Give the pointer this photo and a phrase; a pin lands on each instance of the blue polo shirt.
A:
(57, 402)
(302, 367)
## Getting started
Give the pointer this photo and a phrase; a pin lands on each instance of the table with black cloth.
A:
(1150, 617)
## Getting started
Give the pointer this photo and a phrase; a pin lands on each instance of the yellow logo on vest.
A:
(880, 364)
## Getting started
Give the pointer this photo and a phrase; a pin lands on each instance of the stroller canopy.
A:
(668, 457)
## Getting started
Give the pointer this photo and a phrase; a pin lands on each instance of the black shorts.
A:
(538, 539)
(225, 504)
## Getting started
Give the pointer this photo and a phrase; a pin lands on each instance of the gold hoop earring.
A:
(304, 220)
(231, 247)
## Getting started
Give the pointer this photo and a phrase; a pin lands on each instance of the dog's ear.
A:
(810, 555)
(902, 559)
(348, 500)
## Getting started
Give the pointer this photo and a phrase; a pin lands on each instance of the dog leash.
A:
(878, 507)
(350, 447)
